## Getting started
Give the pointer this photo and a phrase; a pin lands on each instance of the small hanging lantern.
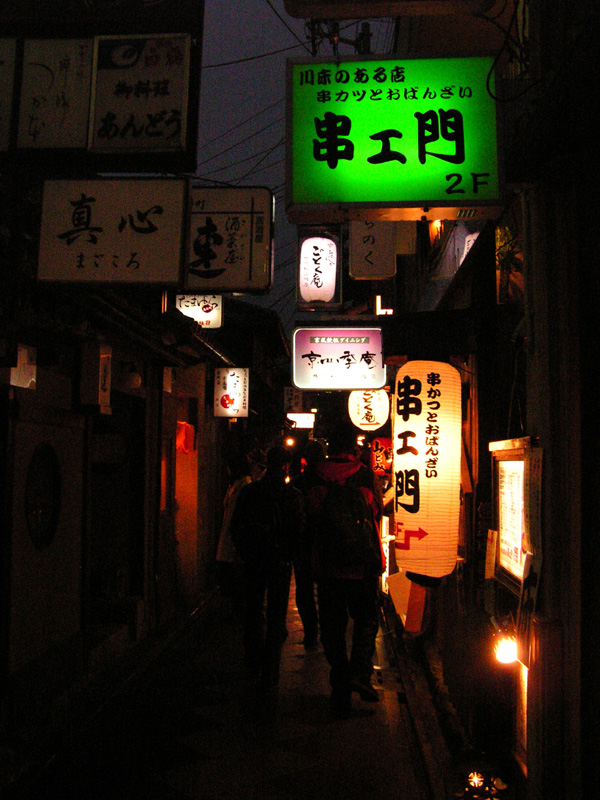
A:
(318, 267)
(369, 409)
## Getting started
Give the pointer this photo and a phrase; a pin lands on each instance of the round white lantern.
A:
(369, 409)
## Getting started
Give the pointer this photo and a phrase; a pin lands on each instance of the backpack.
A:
(346, 529)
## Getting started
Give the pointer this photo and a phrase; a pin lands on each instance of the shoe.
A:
(365, 691)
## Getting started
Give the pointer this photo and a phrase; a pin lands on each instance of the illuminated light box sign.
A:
(115, 231)
(338, 358)
(231, 392)
(205, 309)
(231, 233)
(369, 409)
(426, 468)
(376, 137)
(304, 420)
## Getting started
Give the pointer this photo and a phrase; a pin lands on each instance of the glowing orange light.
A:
(506, 650)
(476, 779)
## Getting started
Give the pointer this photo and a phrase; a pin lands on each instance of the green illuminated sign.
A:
(392, 132)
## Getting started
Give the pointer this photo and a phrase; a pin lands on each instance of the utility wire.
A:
(243, 122)
(250, 58)
(267, 154)
(283, 22)
(243, 141)
(229, 165)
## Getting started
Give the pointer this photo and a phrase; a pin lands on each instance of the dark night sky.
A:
(242, 109)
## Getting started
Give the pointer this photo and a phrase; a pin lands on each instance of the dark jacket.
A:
(337, 469)
(267, 520)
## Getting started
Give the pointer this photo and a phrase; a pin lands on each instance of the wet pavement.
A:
(192, 725)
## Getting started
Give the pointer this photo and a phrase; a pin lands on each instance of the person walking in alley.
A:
(265, 527)
(347, 558)
(314, 454)
(230, 564)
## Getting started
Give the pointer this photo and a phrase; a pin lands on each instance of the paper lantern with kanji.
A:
(318, 269)
(369, 409)
(427, 452)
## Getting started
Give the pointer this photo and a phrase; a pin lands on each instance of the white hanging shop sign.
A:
(338, 358)
(231, 392)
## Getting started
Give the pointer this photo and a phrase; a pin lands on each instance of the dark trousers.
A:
(339, 601)
(264, 636)
(305, 598)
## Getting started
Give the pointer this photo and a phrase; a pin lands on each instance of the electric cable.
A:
(243, 122)
(250, 58)
(243, 141)
(284, 23)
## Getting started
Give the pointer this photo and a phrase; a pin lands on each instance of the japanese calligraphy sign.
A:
(7, 74)
(112, 230)
(140, 93)
(231, 392)
(205, 309)
(390, 133)
(426, 470)
(55, 94)
(372, 250)
(230, 240)
(381, 455)
(319, 267)
(338, 358)
(369, 409)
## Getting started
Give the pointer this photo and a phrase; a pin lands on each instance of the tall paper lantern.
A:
(369, 409)
(318, 269)
(427, 452)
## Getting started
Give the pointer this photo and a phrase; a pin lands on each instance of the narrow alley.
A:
(193, 726)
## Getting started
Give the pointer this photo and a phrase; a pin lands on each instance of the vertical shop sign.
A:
(231, 392)
(230, 240)
(372, 250)
(55, 93)
(426, 470)
(140, 93)
(116, 231)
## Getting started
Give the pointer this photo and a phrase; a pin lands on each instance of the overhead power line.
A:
(250, 58)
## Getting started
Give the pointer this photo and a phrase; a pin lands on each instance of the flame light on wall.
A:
(318, 269)
(427, 453)
(369, 409)
(231, 392)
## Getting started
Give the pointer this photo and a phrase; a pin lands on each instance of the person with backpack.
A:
(347, 557)
(265, 527)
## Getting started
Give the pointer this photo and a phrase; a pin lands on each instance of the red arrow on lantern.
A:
(419, 534)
